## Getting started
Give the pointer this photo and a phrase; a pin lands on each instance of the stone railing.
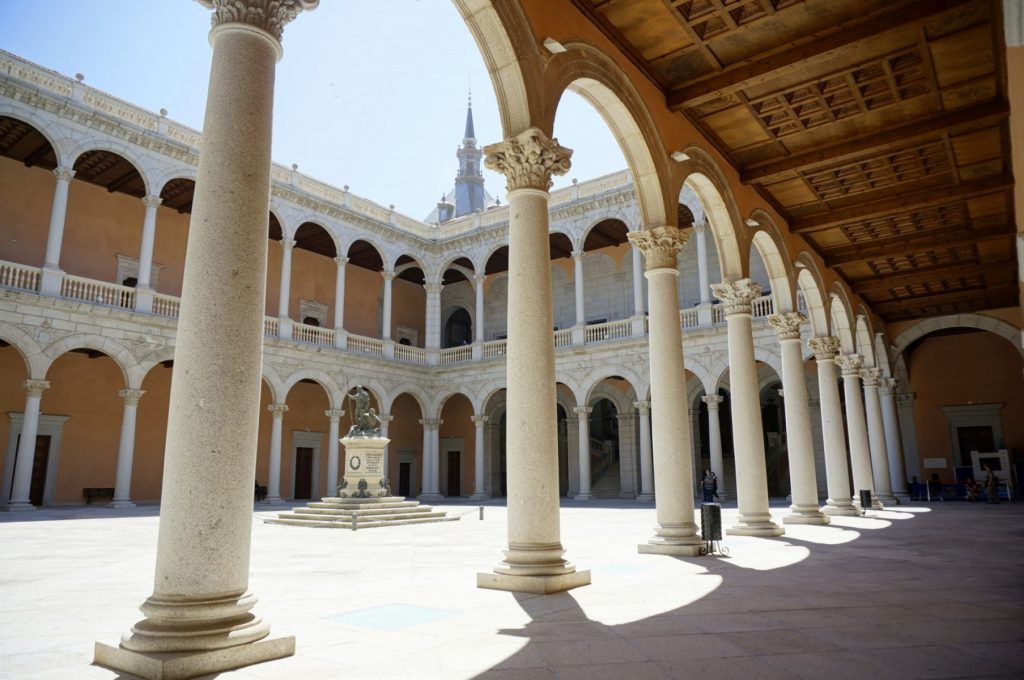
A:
(412, 355)
(763, 307)
(563, 338)
(314, 335)
(361, 343)
(494, 349)
(610, 330)
(166, 305)
(689, 318)
(717, 313)
(456, 355)
(97, 292)
(19, 276)
(271, 324)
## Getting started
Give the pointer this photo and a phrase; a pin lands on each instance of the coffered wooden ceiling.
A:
(879, 128)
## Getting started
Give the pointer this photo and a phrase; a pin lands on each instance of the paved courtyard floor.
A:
(931, 591)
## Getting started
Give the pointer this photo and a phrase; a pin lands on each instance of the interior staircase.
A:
(607, 485)
(363, 513)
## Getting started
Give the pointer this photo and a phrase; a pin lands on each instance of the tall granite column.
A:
(479, 420)
(21, 487)
(833, 435)
(747, 434)
(646, 452)
(583, 441)
(876, 435)
(717, 461)
(534, 559)
(802, 478)
(333, 439)
(860, 448)
(676, 532)
(126, 450)
(893, 445)
(198, 619)
(277, 412)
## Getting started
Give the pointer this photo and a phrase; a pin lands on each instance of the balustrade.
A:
(610, 330)
(456, 355)
(563, 338)
(270, 325)
(413, 355)
(314, 335)
(19, 276)
(166, 305)
(688, 318)
(98, 292)
(494, 349)
(763, 307)
(371, 346)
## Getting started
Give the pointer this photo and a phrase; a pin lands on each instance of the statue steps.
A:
(338, 513)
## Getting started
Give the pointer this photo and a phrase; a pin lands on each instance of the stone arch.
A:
(319, 222)
(158, 356)
(387, 400)
(705, 178)
(701, 372)
(613, 216)
(862, 339)
(923, 327)
(368, 240)
(274, 383)
(593, 75)
(468, 394)
(768, 241)
(122, 150)
(840, 312)
(181, 172)
(318, 376)
(52, 133)
(131, 371)
(592, 380)
(882, 355)
(25, 345)
(810, 284)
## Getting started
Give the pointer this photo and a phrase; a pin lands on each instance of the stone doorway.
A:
(454, 471)
(303, 473)
(405, 479)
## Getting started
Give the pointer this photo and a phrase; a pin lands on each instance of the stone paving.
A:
(931, 591)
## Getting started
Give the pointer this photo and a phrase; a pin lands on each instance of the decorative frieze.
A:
(660, 246)
(529, 160)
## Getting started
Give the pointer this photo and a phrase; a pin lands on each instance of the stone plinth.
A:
(365, 513)
(181, 665)
(364, 475)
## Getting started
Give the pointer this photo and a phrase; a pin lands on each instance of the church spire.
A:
(469, 184)
(470, 133)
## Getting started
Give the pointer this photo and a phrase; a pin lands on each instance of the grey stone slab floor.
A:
(932, 591)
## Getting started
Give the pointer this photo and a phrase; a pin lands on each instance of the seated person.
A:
(916, 489)
(973, 489)
(260, 491)
(935, 486)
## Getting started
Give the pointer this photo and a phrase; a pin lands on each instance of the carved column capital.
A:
(287, 243)
(737, 296)
(578, 254)
(388, 274)
(431, 423)
(713, 401)
(480, 419)
(479, 277)
(63, 174)
(529, 160)
(582, 412)
(277, 409)
(660, 246)
(35, 388)
(341, 261)
(152, 202)
(825, 348)
(850, 364)
(269, 16)
(889, 385)
(433, 288)
(870, 376)
(131, 397)
(334, 414)
(385, 417)
(787, 324)
(644, 407)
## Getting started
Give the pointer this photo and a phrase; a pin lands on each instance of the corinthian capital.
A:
(825, 348)
(131, 397)
(737, 296)
(63, 174)
(35, 388)
(850, 364)
(889, 385)
(787, 325)
(528, 160)
(269, 16)
(870, 376)
(660, 245)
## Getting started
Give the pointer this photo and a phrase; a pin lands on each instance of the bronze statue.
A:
(365, 421)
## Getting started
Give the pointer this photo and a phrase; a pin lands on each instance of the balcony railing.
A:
(611, 330)
(314, 335)
(413, 355)
(494, 349)
(456, 355)
(371, 346)
(763, 306)
(97, 292)
(563, 338)
(18, 276)
(271, 325)
(689, 318)
(166, 305)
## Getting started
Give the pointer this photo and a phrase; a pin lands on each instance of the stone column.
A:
(802, 476)
(126, 450)
(479, 331)
(637, 325)
(715, 441)
(148, 237)
(832, 433)
(646, 452)
(284, 301)
(890, 423)
(339, 304)
(425, 459)
(431, 459)
(274, 464)
(534, 559)
(385, 324)
(578, 286)
(201, 605)
(385, 427)
(433, 315)
(860, 452)
(876, 436)
(676, 532)
(627, 455)
(22, 486)
(701, 229)
(479, 420)
(747, 434)
(583, 428)
(333, 438)
(908, 434)
(52, 274)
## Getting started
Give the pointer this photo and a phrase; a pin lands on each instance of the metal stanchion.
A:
(711, 529)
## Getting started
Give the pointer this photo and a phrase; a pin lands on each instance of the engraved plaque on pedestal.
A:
(364, 475)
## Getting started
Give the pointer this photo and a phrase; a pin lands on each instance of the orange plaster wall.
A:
(313, 278)
(363, 290)
(27, 197)
(12, 396)
(409, 308)
(987, 370)
(456, 415)
(150, 435)
(406, 435)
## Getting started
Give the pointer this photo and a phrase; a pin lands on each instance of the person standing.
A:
(709, 485)
(991, 485)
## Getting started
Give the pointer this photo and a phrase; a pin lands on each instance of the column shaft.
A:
(479, 335)
(583, 427)
(860, 451)
(578, 284)
(892, 441)
(284, 301)
(148, 237)
(479, 420)
(274, 463)
(638, 282)
(126, 450)
(876, 437)
(716, 460)
(646, 452)
(433, 315)
(333, 439)
(385, 325)
(832, 433)
(21, 487)
(339, 295)
(702, 271)
(58, 214)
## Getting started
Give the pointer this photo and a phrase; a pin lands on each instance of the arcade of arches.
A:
(805, 281)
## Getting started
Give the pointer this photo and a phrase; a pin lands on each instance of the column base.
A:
(20, 506)
(120, 505)
(540, 585)
(645, 496)
(887, 499)
(430, 497)
(656, 547)
(805, 516)
(479, 496)
(902, 497)
(582, 497)
(844, 510)
(180, 665)
(755, 525)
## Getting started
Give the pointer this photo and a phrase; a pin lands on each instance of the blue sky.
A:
(370, 93)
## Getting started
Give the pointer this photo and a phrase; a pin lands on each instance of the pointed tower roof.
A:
(470, 133)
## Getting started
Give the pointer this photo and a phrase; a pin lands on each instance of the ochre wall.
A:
(978, 368)
(406, 436)
(27, 197)
(456, 415)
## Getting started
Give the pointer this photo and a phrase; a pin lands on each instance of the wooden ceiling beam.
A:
(613, 34)
(883, 282)
(888, 139)
(37, 154)
(122, 180)
(900, 200)
(949, 237)
(943, 298)
(768, 66)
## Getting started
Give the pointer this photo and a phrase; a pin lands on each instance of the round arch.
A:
(702, 175)
(125, 360)
(31, 353)
(387, 401)
(115, 147)
(810, 285)
(840, 312)
(318, 376)
(52, 134)
(862, 338)
(1001, 328)
(771, 246)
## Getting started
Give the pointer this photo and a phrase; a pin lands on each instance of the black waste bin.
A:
(711, 521)
(865, 500)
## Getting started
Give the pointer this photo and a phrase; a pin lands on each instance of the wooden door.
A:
(404, 479)
(454, 473)
(303, 473)
(974, 438)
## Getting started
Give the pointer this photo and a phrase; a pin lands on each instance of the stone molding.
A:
(660, 246)
(335, 414)
(906, 398)
(737, 296)
(479, 418)
(787, 324)
(388, 274)
(850, 364)
(713, 401)
(287, 243)
(35, 388)
(870, 376)
(152, 201)
(582, 411)
(431, 423)
(341, 261)
(131, 397)
(277, 409)
(63, 174)
(644, 407)
(269, 16)
(825, 348)
(433, 288)
(528, 160)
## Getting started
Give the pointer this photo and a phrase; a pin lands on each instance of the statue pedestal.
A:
(364, 475)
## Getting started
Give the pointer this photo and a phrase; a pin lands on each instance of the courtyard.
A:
(920, 591)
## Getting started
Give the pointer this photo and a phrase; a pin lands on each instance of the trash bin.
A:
(865, 500)
(711, 521)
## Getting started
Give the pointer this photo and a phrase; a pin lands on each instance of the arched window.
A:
(459, 329)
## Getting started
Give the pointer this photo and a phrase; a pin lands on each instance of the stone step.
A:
(374, 512)
(344, 523)
(371, 500)
(364, 506)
